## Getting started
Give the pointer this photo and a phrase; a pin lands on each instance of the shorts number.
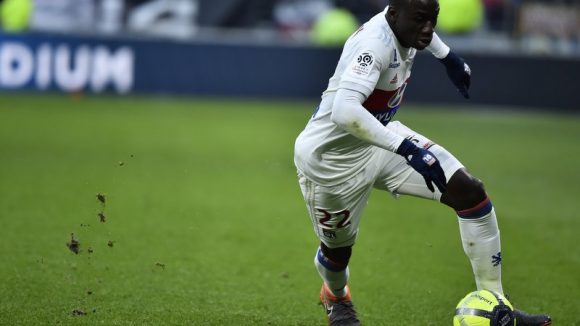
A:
(343, 215)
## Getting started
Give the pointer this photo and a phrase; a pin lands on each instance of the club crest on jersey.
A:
(363, 64)
(395, 63)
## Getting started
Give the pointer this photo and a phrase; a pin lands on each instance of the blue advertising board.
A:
(69, 64)
(65, 63)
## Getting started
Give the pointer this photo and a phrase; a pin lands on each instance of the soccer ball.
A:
(484, 308)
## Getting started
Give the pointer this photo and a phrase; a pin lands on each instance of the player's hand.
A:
(424, 162)
(458, 71)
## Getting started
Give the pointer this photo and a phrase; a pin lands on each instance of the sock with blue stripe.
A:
(481, 243)
(333, 274)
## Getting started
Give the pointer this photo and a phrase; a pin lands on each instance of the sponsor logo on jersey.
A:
(384, 104)
(395, 79)
(363, 64)
(385, 117)
(397, 98)
(395, 63)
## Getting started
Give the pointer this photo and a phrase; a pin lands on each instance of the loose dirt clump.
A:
(74, 245)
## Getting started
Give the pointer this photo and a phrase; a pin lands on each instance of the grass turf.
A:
(208, 227)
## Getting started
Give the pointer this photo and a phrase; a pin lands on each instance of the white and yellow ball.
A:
(484, 308)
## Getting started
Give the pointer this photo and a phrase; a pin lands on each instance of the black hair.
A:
(398, 4)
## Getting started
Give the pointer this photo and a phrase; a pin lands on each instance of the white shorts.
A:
(336, 211)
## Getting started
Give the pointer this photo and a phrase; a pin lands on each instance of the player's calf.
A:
(478, 228)
(332, 265)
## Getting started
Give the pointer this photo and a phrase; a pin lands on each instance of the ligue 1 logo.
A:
(365, 59)
(363, 64)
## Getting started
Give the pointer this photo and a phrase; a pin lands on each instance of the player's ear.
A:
(392, 13)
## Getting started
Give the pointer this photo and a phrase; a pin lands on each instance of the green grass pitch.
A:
(205, 224)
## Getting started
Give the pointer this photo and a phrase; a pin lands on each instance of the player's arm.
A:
(438, 48)
(357, 82)
(349, 114)
(457, 70)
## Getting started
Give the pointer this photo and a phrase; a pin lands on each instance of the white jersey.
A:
(374, 64)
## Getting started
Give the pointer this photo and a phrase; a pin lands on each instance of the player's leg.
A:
(478, 228)
(480, 236)
(334, 294)
(335, 213)
(332, 265)
(467, 196)
(476, 215)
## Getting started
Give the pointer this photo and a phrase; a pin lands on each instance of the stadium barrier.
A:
(64, 63)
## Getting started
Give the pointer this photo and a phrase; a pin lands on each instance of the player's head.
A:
(413, 21)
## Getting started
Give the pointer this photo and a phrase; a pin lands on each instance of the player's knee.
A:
(340, 255)
(464, 191)
(475, 190)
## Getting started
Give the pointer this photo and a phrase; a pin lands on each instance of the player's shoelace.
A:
(343, 314)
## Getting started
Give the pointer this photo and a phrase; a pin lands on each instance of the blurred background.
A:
(523, 53)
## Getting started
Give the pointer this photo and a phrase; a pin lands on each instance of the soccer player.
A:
(351, 145)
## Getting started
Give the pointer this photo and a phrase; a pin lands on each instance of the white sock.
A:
(336, 277)
(481, 243)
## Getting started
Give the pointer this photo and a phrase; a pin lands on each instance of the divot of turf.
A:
(101, 198)
(74, 245)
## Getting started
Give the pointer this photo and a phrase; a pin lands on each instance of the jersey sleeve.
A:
(439, 49)
(364, 69)
(350, 115)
